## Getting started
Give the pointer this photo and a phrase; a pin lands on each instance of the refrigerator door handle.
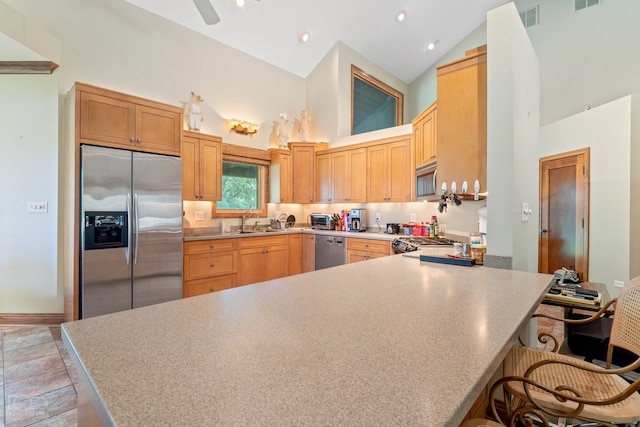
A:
(137, 226)
(127, 250)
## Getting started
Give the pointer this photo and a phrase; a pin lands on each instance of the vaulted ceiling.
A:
(270, 29)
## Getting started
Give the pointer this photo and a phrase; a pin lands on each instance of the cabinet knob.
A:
(366, 245)
(212, 245)
(139, 140)
(212, 265)
(211, 290)
(132, 139)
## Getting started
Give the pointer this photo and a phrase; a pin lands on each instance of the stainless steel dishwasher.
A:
(330, 251)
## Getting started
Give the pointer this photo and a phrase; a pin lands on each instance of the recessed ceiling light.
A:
(304, 37)
(238, 3)
(401, 15)
(431, 46)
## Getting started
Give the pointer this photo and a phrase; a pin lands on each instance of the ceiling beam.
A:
(27, 67)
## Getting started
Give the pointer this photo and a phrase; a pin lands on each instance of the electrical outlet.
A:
(378, 217)
(618, 283)
(37, 207)
(199, 215)
(412, 217)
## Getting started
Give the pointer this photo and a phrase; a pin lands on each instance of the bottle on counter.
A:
(427, 230)
(434, 227)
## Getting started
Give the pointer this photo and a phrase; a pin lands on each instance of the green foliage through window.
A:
(240, 186)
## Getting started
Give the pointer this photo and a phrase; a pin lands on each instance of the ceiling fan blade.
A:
(207, 11)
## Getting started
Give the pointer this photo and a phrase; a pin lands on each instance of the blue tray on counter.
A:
(466, 262)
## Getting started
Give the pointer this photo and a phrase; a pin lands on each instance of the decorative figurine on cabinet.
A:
(303, 131)
(283, 134)
(192, 112)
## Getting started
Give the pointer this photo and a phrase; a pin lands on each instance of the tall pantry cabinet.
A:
(462, 120)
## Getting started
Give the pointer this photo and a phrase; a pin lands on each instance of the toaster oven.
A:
(320, 221)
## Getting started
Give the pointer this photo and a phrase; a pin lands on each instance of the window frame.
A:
(249, 156)
(380, 85)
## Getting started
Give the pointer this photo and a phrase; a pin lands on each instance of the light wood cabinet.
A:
(462, 121)
(425, 136)
(342, 176)
(295, 254)
(117, 120)
(349, 176)
(308, 252)
(389, 172)
(209, 266)
(201, 167)
(262, 258)
(280, 173)
(359, 249)
(324, 187)
(303, 170)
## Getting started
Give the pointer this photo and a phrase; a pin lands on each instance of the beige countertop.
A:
(193, 234)
(390, 341)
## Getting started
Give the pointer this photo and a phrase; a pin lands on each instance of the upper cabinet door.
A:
(324, 188)
(158, 130)
(107, 119)
(113, 119)
(424, 136)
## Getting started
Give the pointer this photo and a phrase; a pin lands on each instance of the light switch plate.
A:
(37, 207)
(412, 217)
(525, 212)
(618, 283)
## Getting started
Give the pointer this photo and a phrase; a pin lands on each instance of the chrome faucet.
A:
(245, 216)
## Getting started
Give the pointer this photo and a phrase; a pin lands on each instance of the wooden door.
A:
(107, 120)
(190, 169)
(276, 262)
(295, 254)
(158, 130)
(303, 174)
(424, 136)
(399, 172)
(376, 170)
(340, 177)
(308, 252)
(357, 171)
(324, 174)
(564, 213)
(210, 170)
(250, 266)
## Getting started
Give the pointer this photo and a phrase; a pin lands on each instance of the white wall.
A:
(28, 247)
(103, 45)
(512, 135)
(588, 57)
(424, 88)
(607, 131)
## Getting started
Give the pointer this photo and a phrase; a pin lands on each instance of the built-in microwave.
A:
(427, 183)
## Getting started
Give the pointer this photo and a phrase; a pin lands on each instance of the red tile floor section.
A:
(37, 379)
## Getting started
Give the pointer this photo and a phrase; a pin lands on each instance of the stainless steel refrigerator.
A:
(131, 230)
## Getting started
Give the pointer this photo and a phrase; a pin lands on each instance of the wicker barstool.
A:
(571, 388)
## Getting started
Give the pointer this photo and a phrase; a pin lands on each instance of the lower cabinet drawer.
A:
(212, 284)
(355, 256)
(369, 245)
(200, 266)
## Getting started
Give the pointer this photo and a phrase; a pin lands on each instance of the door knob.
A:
(543, 231)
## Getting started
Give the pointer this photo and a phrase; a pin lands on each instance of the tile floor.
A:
(37, 379)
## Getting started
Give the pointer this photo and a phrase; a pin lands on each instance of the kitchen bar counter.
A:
(191, 234)
(391, 341)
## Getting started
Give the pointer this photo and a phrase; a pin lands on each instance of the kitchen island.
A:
(391, 341)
